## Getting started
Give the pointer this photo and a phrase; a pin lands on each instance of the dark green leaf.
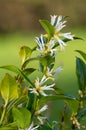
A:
(45, 99)
(47, 27)
(28, 71)
(22, 117)
(82, 54)
(82, 114)
(67, 40)
(44, 127)
(47, 61)
(81, 73)
(77, 38)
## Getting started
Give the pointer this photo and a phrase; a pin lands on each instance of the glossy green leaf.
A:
(47, 61)
(44, 127)
(73, 105)
(22, 116)
(82, 54)
(47, 27)
(9, 88)
(81, 73)
(82, 114)
(28, 71)
(45, 99)
(18, 71)
(30, 60)
(25, 52)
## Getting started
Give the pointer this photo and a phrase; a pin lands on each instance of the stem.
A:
(62, 119)
(3, 115)
(34, 103)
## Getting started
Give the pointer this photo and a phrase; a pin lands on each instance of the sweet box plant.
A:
(24, 101)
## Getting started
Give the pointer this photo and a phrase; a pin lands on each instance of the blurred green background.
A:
(19, 26)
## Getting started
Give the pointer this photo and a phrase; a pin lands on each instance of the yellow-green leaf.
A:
(25, 52)
(9, 88)
(22, 117)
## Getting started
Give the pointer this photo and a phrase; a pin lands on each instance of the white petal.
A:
(43, 109)
(44, 79)
(68, 35)
(59, 19)
(53, 19)
(31, 127)
(62, 44)
(41, 119)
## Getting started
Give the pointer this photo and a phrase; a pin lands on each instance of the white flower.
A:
(50, 72)
(40, 88)
(31, 127)
(40, 42)
(59, 24)
(42, 109)
(39, 112)
(41, 118)
(45, 48)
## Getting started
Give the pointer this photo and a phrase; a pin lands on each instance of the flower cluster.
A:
(38, 114)
(40, 88)
(46, 46)
(59, 24)
(76, 122)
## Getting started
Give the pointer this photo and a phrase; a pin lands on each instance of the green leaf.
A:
(7, 128)
(9, 88)
(67, 40)
(44, 127)
(81, 73)
(18, 101)
(18, 71)
(1, 101)
(82, 54)
(82, 114)
(22, 116)
(45, 99)
(73, 105)
(47, 61)
(47, 27)
(25, 52)
(28, 71)
(29, 60)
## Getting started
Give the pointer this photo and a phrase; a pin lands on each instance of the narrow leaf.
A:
(28, 71)
(16, 102)
(82, 54)
(81, 73)
(18, 71)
